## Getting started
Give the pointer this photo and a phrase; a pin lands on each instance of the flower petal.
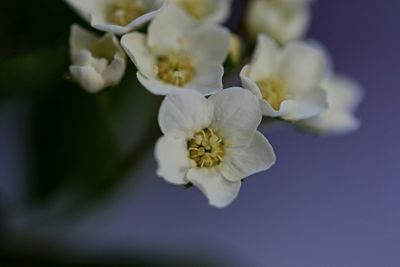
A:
(137, 50)
(166, 30)
(240, 162)
(264, 60)
(219, 192)
(220, 12)
(207, 43)
(237, 115)
(307, 106)
(80, 39)
(87, 77)
(208, 79)
(302, 67)
(332, 123)
(115, 71)
(173, 159)
(182, 115)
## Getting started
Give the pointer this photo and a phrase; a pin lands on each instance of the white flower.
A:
(212, 143)
(116, 16)
(287, 80)
(283, 20)
(344, 96)
(213, 11)
(97, 62)
(178, 53)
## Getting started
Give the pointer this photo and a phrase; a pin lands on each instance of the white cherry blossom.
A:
(283, 20)
(344, 96)
(97, 62)
(287, 80)
(212, 143)
(179, 53)
(116, 16)
(213, 11)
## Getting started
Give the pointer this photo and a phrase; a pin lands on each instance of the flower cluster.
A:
(210, 137)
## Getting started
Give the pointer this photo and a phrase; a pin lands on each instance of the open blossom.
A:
(116, 16)
(214, 11)
(178, 53)
(287, 80)
(283, 20)
(344, 96)
(212, 143)
(97, 62)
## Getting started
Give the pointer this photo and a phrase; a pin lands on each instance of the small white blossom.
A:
(212, 143)
(283, 20)
(178, 53)
(213, 11)
(287, 80)
(97, 62)
(116, 16)
(344, 96)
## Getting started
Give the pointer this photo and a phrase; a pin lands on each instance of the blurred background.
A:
(77, 175)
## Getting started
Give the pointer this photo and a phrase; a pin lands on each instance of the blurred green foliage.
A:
(79, 143)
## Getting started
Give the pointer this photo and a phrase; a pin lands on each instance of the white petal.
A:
(266, 108)
(166, 30)
(302, 67)
(182, 115)
(296, 27)
(95, 12)
(307, 106)
(240, 162)
(219, 192)
(157, 87)
(88, 78)
(220, 12)
(343, 92)
(115, 71)
(137, 50)
(173, 159)
(283, 24)
(207, 43)
(208, 79)
(332, 123)
(80, 39)
(265, 58)
(237, 115)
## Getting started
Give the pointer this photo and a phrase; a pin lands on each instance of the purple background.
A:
(327, 202)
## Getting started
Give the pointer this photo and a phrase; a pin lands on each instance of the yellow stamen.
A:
(175, 69)
(273, 90)
(209, 152)
(122, 12)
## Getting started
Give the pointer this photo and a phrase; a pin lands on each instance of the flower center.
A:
(122, 12)
(273, 90)
(206, 148)
(175, 69)
(198, 9)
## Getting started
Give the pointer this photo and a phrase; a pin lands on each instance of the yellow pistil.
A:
(273, 90)
(122, 12)
(175, 69)
(206, 149)
(198, 9)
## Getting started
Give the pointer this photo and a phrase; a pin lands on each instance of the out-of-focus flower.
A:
(283, 20)
(178, 53)
(214, 11)
(344, 96)
(116, 16)
(212, 143)
(287, 80)
(97, 62)
(235, 50)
